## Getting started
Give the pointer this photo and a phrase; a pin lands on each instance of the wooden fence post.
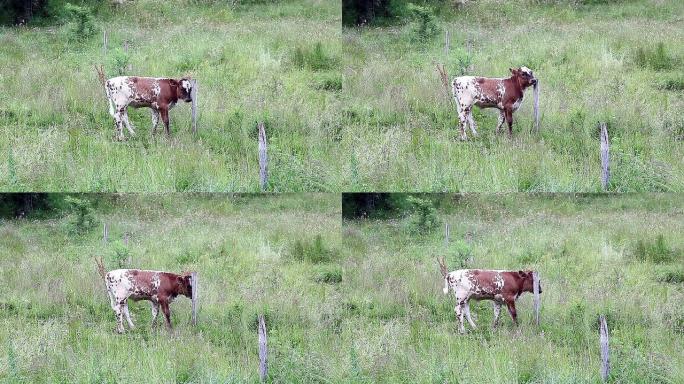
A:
(130, 66)
(193, 283)
(105, 233)
(104, 42)
(263, 349)
(263, 157)
(446, 235)
(193, 96)
(446, 44)
(605, 363)
(129, 260)
(536, 106)
(537, 302)
(605, 156)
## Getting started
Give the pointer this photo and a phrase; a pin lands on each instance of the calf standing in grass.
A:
(158, 94)
(504, 94)
(482, 284)
(161, 288)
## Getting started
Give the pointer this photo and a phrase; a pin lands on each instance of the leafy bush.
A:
(673, 275)
(672, 84)
(424, 25)
(82, 22)
(315, 59)
(82, 219)
(656, 252)
(119, 60)
(312, 251)
(424, 217)
(331, 275)
(121, 254)
(329, 83)
(657, 59)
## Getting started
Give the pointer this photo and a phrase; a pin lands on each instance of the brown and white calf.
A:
(502, 287)
(161, 288)
(504, 94)
(158, 94)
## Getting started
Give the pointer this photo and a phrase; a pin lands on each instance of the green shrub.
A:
(82, 22)
(118, 60)
(657, 59)
(121, 254)
(314, 59)
(331, 275)
(656, 252)
(82, 218)
(329, 83)
(424, 25)
(424, 215)
(674, 275)
(672, 84)
(312, 251)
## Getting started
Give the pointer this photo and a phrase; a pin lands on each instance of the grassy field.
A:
(279, 62)
(599, 62)
(595, 255)
(253, 254)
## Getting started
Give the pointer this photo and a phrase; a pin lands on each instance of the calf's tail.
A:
(100, 267)
(445, 274)
(101, 76)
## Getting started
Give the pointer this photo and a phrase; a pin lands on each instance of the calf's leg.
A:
(502, 118)
(119, 317)
(165, 119)
(509, 121)
(471, 121)
(167, 313)
(155, 120)
(128, 316)
(118, 120)
(511, 310)
(467, 314)
(497, 312)
(155, 313)
(129, 126)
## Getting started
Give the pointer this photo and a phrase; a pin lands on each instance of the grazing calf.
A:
(481, 284)
(161, 288)
(158, 94)
(504, 94)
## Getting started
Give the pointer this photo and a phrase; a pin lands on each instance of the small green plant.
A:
(656, 252)
(314, 59)
(121, 254)
(673, 275)
(329, 83)
(424, 217)
(657, 59)
(82, 218)
(119, 60)
(424, 26)
(312, 251)
(672, 84)
(82, 22)
(329, 276)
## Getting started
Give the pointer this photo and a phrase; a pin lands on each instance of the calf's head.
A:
(527, 280)
(523, 76)
(183, 89)
(185, 284)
